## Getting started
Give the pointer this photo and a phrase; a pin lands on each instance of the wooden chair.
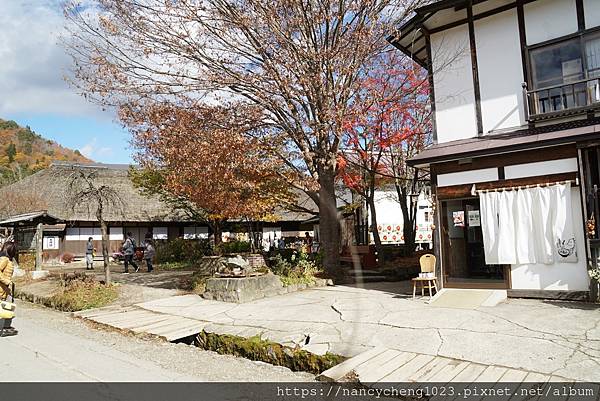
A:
(427, 263)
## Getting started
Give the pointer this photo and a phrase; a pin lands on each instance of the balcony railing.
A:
(563, 99)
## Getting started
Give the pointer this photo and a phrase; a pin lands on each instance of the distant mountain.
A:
(23, 152)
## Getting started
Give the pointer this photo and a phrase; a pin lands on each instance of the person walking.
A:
(7, 255)
(149, 253)
(9, 252)
(90, 252)
(129, 252)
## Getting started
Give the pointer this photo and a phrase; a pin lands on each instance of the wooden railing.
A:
(563, 99)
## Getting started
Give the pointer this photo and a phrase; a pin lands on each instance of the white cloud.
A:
(91, 150)
(33, 64)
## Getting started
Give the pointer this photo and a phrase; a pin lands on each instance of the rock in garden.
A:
(238, 263)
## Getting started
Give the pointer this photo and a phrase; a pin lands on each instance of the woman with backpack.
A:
(128, 252)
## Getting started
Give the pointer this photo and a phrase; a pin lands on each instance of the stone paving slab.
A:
(548, 338)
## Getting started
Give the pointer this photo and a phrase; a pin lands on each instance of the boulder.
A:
(236, 266)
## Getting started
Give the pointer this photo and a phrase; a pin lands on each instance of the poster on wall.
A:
(458, 218)
(474, 218)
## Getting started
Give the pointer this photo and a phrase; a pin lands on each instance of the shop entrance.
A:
(462, 239)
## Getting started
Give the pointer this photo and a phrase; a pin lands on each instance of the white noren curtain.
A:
(532, 225)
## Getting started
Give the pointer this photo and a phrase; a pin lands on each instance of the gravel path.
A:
(53, 346)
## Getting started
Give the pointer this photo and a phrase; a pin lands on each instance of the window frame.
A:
(580, 35)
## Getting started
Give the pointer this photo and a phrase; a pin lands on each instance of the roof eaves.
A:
(531, 139)
(27, 217)
(439, 5)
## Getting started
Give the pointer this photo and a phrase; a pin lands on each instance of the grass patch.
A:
(257, 349)
(297, 279)
(175, 266)
(84, 295)
(80, 291)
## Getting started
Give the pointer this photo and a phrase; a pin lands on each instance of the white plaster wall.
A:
(500, 72)
(115, 233)
(549, 19)
(591, 9)
(453, 82)
(467, 177)
(540, 168)
(559, 276)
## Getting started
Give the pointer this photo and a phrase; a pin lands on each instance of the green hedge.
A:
(181, 250)
(230, 247)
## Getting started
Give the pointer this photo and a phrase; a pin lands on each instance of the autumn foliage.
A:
(24, 152)
(221, 170)
(297, 62)
(388, 123)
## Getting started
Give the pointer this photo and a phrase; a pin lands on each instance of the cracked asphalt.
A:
(555, 338)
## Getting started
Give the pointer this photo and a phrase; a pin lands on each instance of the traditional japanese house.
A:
(515, 93)
(66, 230)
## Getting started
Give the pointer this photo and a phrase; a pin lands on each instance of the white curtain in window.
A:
(528, 226)
(592, 55)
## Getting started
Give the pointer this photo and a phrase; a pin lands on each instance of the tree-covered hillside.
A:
(23, 152)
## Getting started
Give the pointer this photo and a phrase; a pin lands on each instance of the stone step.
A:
(359, 272)
(369, 279)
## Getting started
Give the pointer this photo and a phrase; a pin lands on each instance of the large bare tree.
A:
(85, 191)
(297, 60)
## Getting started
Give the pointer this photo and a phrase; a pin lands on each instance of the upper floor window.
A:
(564, 76)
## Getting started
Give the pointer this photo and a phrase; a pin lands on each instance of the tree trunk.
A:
(409, 222)
(217, 228)
(251, 236)
(105, 244)
(329, 226)
(374, 229)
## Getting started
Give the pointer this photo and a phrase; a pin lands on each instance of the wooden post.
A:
(39, 234)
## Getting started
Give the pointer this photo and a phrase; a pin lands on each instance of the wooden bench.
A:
(365, 254)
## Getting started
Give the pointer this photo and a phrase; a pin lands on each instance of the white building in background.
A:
(515, 169)
(390, 221)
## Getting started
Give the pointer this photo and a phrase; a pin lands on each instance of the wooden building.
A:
(67, 230)
(515, 91)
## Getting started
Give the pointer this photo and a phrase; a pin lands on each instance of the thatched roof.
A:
(51, 184)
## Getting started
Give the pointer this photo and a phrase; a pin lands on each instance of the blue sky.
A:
(33, 90)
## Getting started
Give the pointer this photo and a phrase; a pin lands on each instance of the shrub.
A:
(27, 260)
(299, 269)
(67, 257)
(236, 246)
(180, 250)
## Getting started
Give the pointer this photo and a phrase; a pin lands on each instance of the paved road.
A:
(52, 346)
